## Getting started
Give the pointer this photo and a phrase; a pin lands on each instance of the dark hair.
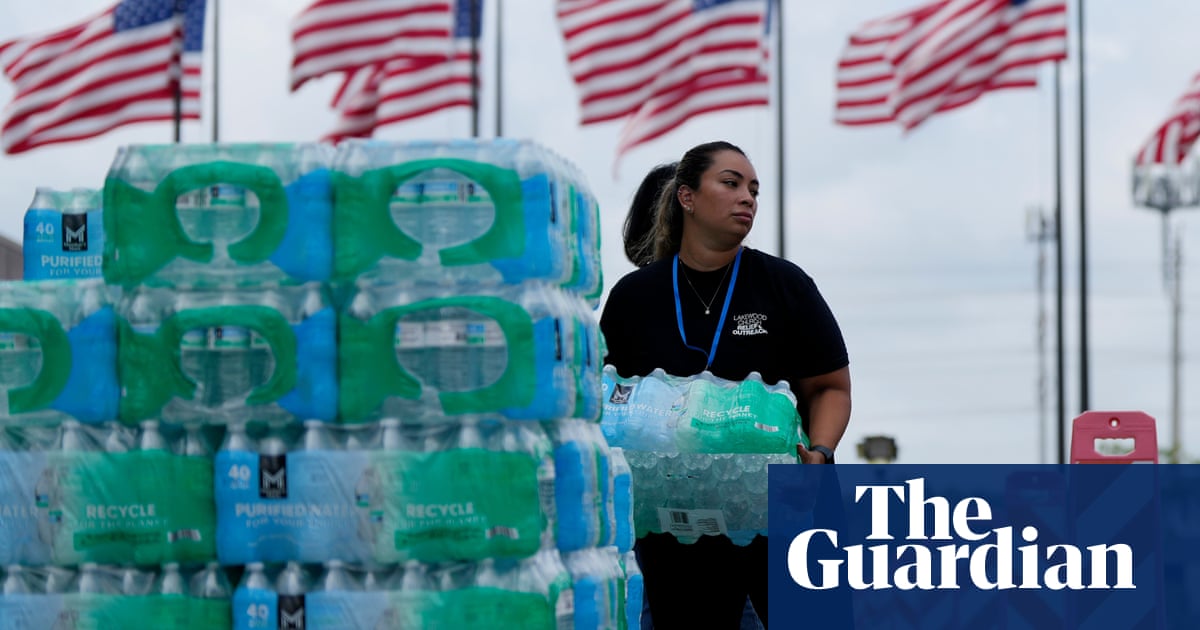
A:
(653, 232)
(639, 221)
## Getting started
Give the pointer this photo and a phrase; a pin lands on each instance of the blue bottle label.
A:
(59, 245)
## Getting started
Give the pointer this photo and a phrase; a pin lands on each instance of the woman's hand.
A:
(809, 457)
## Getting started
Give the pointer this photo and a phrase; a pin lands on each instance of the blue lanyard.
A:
(712, 353)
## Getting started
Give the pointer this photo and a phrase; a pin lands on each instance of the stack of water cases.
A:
(470, 381)
(698, 449)
(225, 324)
(102, 523)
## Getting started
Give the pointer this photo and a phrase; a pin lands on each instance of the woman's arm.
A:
(828, 397)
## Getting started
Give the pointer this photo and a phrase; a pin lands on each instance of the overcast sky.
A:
(917, 241)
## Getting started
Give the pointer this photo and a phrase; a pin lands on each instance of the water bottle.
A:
(336, 578)
(170, 581)
(577, 498)
(316, 437)
(198, 364)
(210, 583)
(622, 502)
(59, 580)
(74, 443)
(94, 580)
(231, 347)
(118, 439)
(14, 581)
(291, 585)
(634, 591)
(254, 601)
(134, 582)
(150, 439)
(194, 443)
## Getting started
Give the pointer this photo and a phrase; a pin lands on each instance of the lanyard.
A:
(712, 353)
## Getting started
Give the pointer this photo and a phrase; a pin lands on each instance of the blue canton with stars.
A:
(132, 14)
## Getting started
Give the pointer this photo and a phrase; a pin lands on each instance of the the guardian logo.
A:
(974, 555)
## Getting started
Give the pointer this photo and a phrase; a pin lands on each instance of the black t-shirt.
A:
(777, 325)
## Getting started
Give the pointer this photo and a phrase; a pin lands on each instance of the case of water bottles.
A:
(110, 596)
(463, 211)
(228, 356)
(58, 352)
(386, 493)
(218, 214)
(533, 593)
(64, 234)
(109, 494)
(435, 352)
(698, 449)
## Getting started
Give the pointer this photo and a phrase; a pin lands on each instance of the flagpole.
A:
(216, 94)
(1084, 402)
(474, 27)
(1059, 357)
(499, 89)
(779, 119)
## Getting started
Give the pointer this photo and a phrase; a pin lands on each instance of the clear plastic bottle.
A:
(335, 577)
(254, 601)
(291, 585)
(150, 438)
(170, 581)
(194, 443)
(622, 499)
(94, 580)
(210, 583)
(316, 437)
(14, 581)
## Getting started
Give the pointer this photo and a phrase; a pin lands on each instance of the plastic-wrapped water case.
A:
(534, 593)
(58, 352)
(228, 356)
(108, 596)
(695, 494)
(218, 214)
(699, 414)
(464, 211)
(64, 234)
(430, 354)
(385, 493)
(106, 494)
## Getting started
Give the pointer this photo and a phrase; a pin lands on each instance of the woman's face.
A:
(725, 203)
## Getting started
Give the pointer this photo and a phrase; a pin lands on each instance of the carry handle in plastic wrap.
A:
(504, 239)
(136, 257)
(56, 357)
(1114, 425)
(264, 320)
(385, 377)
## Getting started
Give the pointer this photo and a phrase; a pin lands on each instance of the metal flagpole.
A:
(216, 94)
(1084, 399)
(1059, 354)
(779, 120)
(499, 89)
(474, 27)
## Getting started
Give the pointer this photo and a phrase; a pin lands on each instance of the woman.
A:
(703, 301)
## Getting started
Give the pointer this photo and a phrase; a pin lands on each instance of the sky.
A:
(919, 241)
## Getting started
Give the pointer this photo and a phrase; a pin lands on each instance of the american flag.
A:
(656, 64)
(117, 68)
(1173, 140)
(398, 59)
(944, 55)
